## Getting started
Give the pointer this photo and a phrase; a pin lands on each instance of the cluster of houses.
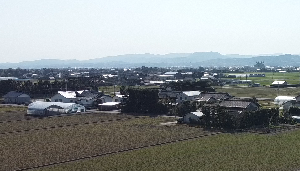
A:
(65, 102)
(210, 99)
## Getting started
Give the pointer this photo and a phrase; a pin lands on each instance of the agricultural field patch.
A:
(223, 152)
(29, 149)
(43, 122)
(12, 112)
(259, 92)
(290, 77)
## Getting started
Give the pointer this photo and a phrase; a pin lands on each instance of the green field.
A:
(290, 77)
(261, 92)
(223, 152)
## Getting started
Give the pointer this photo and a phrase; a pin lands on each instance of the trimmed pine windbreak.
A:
(219, 117)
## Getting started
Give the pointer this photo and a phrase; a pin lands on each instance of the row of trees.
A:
(143, 101)
(218, 117)
(47, 87)
(191, 86)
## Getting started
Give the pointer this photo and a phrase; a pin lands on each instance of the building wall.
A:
(106, 99)
(23, 98)
(60, 98)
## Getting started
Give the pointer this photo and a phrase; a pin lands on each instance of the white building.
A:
(188, 96)
(282, 99)
(279, 83)
(65, 96)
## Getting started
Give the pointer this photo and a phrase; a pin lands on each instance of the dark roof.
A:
(217, 96)
(12, 94)
(89, 94)
(206, 98)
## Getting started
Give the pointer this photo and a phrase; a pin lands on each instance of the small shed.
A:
(192, 117)
(109, 106)
(118, 98)
(14, 97)
(279, 84)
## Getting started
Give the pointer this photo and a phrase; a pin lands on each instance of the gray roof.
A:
(235, 104)
(12, 94)
(206, 98)
(217, 96)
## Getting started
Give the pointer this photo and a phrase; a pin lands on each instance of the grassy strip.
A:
(263, 92)
(41, 147)
(223, 152)
(290, 77)
(12, 112)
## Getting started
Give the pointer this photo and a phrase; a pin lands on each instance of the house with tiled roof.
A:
(216, 95)
(239, 105)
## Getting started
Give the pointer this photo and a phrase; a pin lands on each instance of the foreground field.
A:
(222, 152)
(12, 112)
(27, 149)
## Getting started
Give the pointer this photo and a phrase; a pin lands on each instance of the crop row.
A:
(54, 121)
(20, 116)
(115, 152)
(68, 125)
(33, 148)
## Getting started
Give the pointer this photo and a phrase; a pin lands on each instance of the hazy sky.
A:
(85, 29)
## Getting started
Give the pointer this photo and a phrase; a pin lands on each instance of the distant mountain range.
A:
(173, 59)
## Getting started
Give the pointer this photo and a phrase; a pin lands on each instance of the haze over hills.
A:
(155, 60)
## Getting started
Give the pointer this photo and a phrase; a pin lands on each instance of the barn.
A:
(14, 97)
(53, 108)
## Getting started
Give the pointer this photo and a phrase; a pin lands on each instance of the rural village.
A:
(76, 114)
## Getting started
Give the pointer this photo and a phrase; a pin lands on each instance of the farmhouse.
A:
(239, 105)
(216, 95)
(14, 97)
(207, 99)
(188, 96)
(65, 96)
(292, 103)
(53, 108)
(297, 98)
(83, 97)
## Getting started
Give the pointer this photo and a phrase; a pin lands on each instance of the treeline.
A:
(218, 117)
(47, 87)
(143, 101)
(191, 86)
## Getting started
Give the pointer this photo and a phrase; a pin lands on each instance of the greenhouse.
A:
(53, 108)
